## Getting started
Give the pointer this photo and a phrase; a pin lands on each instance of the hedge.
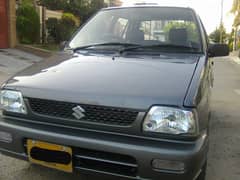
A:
(61, 30)
(28, 24)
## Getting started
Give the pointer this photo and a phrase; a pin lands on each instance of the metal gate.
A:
(3, 24)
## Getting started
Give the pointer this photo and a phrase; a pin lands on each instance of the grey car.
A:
(118, 100)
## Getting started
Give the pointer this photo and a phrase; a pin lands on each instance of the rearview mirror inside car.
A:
(217, 50)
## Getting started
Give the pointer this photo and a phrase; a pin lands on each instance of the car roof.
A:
(151, 5)
(147, 5)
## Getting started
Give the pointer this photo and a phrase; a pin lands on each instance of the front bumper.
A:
(121, 150)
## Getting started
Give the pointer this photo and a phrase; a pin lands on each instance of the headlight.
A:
(12, 101)
(170, 120)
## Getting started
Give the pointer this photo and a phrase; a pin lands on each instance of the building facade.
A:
(7, 23)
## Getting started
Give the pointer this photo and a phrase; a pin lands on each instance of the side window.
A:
(159, 30)
(189, 26)
(120, 28)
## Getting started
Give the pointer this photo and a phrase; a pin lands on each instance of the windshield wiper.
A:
(104, 44)
(172, 46)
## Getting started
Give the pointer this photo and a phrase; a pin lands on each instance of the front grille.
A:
(93, 113)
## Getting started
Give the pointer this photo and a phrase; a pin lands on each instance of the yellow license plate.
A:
(50, 155)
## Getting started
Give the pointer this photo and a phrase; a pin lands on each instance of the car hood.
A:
(132, 82)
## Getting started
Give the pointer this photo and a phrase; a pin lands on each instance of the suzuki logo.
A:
(78, 112)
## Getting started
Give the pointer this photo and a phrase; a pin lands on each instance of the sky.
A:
(208, 10)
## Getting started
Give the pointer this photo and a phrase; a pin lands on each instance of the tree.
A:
(114, 3)
(215, 36)
(80, 8)
(236, 11)
(53, 4)
(28, 23)
(29, 2)
(61, 30)
(95, 6)
(231, 40)
(235, 6)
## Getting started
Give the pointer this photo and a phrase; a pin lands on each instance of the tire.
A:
(202, 176)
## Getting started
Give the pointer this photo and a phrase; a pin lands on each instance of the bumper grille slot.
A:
(103, 162)
(93, 113)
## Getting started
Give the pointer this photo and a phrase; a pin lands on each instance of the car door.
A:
(208, 77)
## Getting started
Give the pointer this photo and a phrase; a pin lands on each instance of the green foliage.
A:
(236, 11)
(53, 4)
(216, 35)
(231, 39)
(230, 46)
(191, 29)
(96, 5)
(80, 8)
(237, 20)
(28, 24)
(114, 2)
(61, 30)
(66, 27)
(29, 2)
(235, 6)
(51, 25)
(238, 45)
(70, 17)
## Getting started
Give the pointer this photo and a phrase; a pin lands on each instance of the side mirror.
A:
(217, 50)
(62, 45)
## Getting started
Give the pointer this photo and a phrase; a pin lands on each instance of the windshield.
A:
(144, 26)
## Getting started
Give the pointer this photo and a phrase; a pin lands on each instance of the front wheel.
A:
(202, 175)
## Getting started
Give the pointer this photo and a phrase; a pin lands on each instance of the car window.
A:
(120, 28)
(159, 30)
(142, 26)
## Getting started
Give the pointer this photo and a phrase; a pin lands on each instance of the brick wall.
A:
(3, 24)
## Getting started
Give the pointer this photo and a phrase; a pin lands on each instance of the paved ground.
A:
(224, 156)
(13, 60)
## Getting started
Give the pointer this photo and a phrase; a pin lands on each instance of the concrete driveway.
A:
(13, 60)
(224, 155)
